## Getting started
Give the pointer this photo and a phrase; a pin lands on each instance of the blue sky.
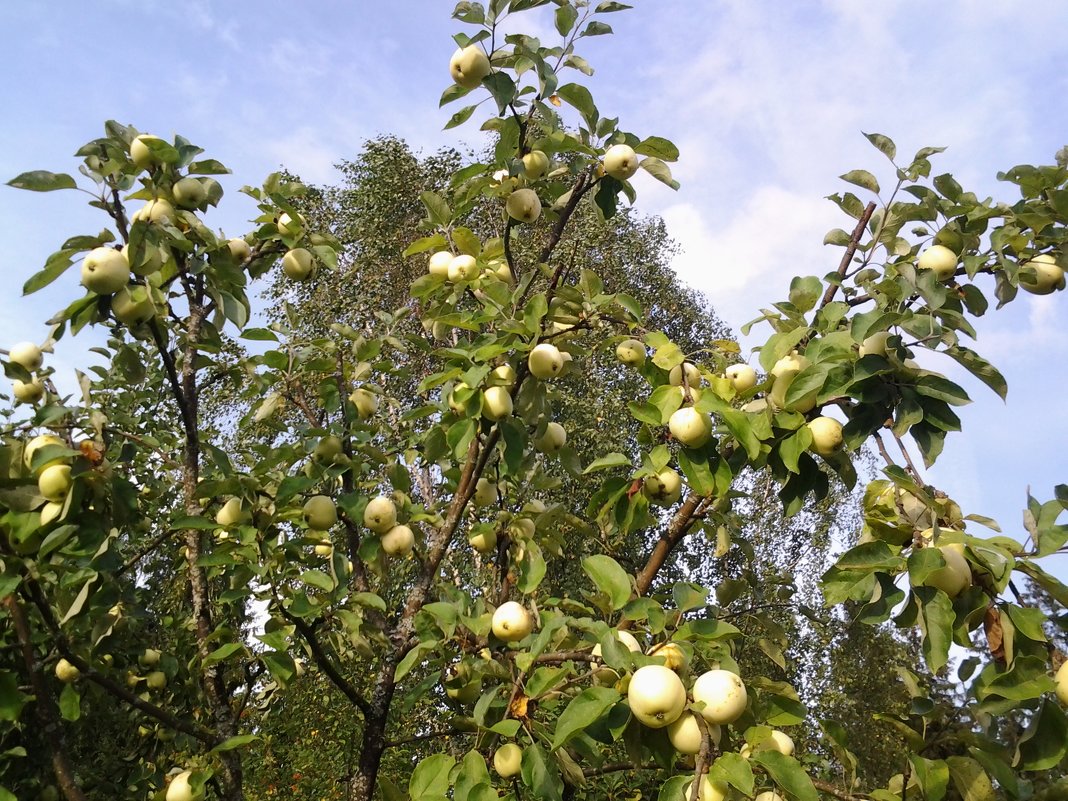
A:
(766, 100)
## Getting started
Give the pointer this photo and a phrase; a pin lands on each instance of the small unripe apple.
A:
(1061, 680)
(620, 162)
(485, 493)
(439, 263)
(511, 622)
(232, 513)
(463, 268)
(158, 211)
(688, 369)
(469, 66)
(664, 488)
(105, 270)
(956, 576)
(656, 695)
(708, 790)
(535, 165)
(28, 391)
(366, 403)
(545, 361)
(690, 427)
(140, 153)
(507, 760)
(742, 377)
(496, 403)
(826, 435)
(132, 305)
(156, 680)
(298, 264)
(523, 205)
(320, 513)
(324, 549)
(289, 225)
(239, 250)
(631, 352)
(940, 259)
(398, 541)
(189, 192)
(66, 672)
(485, 541)
(553, 440)
(150, 658)
(685, 734)
(27, 355)
(54, 482)
(673, 655)
(380, 515)
(723, 694)
(1048, 275)
(502, 376)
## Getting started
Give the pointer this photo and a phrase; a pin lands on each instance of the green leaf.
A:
(57, 264)
(788, 774)
(658, 147)
(235, 742)
(885, 145)
(434, 242)
(688, 596)
(566, 16)
(259, 335)
(735, 770)
(607, 462)
(11, 700)
(318, 579)
(933, 386)
(540, 776)
(42, 181)
(1045, 742)
(430, 779)
(580, 98)
(583, 710)
(933, 776)
(659, 170)
(436, 208)
(502, 87)
(980, 368)
(863, 179)
(70, 703)
(460, 117)
(936, 623)
(610, 578)
(596, 29)
(222, 652)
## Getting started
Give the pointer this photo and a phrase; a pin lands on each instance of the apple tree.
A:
(389, 520)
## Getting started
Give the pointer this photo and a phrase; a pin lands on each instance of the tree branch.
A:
(327, 666)
(851, 249)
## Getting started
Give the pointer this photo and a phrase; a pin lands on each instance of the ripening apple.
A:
(455, 403)
(54, 482)
(631, 352)
(66, 672)
(1061, 680)
(232, 513)
(708, 790)
(398, 541)
(289, 225)
(28, 391)
(769, 795)
(523, 205)
(620, 162)
(723, 695)
(545, 361)
(320, 513)
(502, 376)
(690, 427)
(469, 66)
(507, 760)
(742, 377)
(324, 549)
(153, 257)
(956, 576)
(511, 622)
(156, 680)
(656, 695)
(463, 268)
(826, 435)
(158, 211)
(624, 637)
(189, 192)
(380, 515)
(132, 305)
(940, 259)
(776, 741)
(673, 655)
(366, 403)
(150, 658)
(664, 488)
(685, 733)
(439, 263)
(485, 493)
(791, 363)
(875, 344)
(27, 355)
(535, 165)
(105, 270)
(328, 449)
(298, 264)
(36, 444)
(239, 250)
(485, 541)
(687, 369)
(180, 789)
(140, 153)
(553, 439)
(1048, 275)
(496, 403)
(522, 528)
